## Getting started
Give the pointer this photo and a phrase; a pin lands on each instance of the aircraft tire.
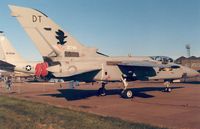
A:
(127, 94)
(167, 90)
(102, 92)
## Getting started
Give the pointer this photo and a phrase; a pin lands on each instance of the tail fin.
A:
(50, 39)
(9, 53)
(2, 56)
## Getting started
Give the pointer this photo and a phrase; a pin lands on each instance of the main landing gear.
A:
(126, 93)
(102, 90)
(168, 88)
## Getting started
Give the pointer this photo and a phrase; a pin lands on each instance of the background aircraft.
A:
(69, 60)
(11, 60)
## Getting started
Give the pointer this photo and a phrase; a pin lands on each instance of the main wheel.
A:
(127, 94)
(101, 92)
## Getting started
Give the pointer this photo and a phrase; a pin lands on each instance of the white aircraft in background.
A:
(11, 61)
(67, 59)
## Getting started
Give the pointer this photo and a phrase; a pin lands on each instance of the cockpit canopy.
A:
(163, 59)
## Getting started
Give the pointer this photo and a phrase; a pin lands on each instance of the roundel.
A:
(72, 69)
(28, 68)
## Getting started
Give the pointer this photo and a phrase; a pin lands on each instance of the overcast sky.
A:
(115, 27)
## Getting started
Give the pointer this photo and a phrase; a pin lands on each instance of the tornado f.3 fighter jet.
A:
(67, 59)
(11, 61)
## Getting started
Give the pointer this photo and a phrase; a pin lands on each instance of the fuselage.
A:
(110, 71)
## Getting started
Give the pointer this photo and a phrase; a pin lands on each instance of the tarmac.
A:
(177, 109)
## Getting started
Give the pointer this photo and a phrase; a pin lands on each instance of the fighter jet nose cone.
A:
(194, 73)
(190, 72)
(197, 73)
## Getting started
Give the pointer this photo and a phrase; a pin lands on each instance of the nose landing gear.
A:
(168, 88)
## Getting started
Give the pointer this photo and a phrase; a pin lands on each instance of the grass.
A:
(22, 114)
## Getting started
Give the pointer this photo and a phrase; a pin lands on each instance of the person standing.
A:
(9, 83)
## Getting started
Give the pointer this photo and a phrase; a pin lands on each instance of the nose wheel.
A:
(168, 88)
